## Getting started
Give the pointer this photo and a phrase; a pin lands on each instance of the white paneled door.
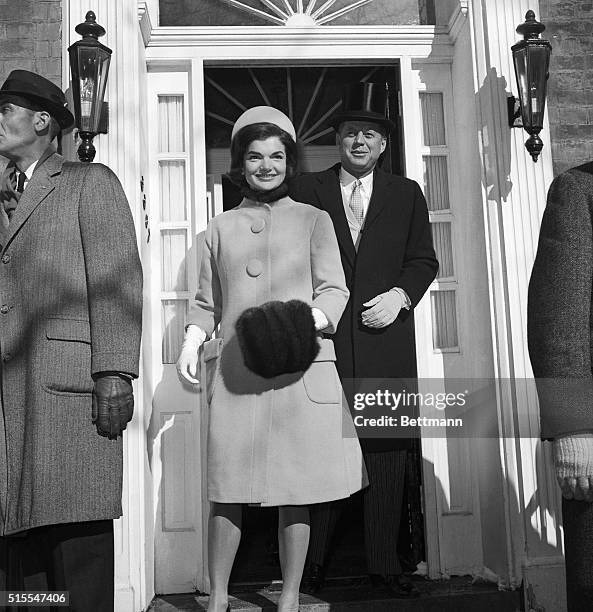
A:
(175, 441)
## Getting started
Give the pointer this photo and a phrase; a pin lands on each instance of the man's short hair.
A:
(54, 128)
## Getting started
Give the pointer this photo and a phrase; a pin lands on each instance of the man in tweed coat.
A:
(70, 324)
(561, 350)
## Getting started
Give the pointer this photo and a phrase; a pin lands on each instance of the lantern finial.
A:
(90, 28)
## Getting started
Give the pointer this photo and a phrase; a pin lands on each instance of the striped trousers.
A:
(382, 508)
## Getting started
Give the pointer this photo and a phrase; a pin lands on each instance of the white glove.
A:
(573, 457)
(383, 309)
(187, 364)
(320, 319)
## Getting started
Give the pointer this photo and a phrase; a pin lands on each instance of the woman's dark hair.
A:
(260, 131)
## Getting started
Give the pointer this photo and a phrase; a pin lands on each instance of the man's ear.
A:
(42, 122)
(383, 143)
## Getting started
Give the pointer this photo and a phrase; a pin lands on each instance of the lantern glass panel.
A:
(520, 59)
(93, 66)
(538, 58)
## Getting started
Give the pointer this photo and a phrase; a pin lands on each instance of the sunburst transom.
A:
(297, 13)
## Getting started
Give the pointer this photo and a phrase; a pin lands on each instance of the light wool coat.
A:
(70, 306)
(286, 440)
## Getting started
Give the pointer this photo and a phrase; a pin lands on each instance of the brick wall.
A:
(31, 37)
(569, 27)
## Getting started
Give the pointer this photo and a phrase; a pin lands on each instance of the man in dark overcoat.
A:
(560, 338)
(381, 222)
(70, 325)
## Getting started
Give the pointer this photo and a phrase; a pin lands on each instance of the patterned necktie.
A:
(11, 189)
(356, 202)
(20, 185)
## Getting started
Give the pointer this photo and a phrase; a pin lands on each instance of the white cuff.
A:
(405, 297)
(194, 337)
(320, 319)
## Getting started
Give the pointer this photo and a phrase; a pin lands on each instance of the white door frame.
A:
(195, 47)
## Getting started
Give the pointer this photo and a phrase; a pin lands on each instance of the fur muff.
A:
(277, 338)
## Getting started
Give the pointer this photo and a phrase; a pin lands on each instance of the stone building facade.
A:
(569, 24)
(31, 37)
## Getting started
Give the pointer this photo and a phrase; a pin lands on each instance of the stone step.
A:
(459, 594)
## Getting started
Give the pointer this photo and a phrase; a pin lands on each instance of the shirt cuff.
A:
(405, 297)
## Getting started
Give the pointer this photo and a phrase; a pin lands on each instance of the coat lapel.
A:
(42, 183)
(330, 196)
(379, 198)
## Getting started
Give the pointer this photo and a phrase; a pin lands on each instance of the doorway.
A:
(309, 95)
(185, 190)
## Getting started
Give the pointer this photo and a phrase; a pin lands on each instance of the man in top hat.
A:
(70, 323)
(381, 222)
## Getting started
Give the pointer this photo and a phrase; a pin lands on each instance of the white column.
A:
(513, 198)
(122, 149)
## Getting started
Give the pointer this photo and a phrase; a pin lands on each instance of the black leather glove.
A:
(113, 404)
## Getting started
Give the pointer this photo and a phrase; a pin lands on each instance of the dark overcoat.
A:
(70, 306)
(395, 250)
(559, 322)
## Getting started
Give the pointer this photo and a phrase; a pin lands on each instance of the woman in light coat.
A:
(286, 441)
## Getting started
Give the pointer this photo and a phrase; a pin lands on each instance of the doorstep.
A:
(459, 594)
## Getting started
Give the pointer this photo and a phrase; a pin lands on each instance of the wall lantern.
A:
(89, 66)
(531, 58)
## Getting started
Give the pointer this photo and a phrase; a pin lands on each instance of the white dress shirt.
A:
(347, 181)
(366, 191)
(28, 173)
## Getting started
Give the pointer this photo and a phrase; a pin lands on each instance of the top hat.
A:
(264, 114)
(41, 92)
(364, 102)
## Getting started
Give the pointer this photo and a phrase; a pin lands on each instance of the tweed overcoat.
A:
(395, 250)
(287, 440)
(70, 306)
(559, 307)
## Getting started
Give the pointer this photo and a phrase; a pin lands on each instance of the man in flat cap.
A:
(381, 222)
(70, 324)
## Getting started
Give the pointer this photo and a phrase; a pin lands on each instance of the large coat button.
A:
(254, 267)
(6, 258)
(258, 225)
(4, 309)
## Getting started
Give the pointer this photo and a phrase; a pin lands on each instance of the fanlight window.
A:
(298, 12)
(295, 13)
